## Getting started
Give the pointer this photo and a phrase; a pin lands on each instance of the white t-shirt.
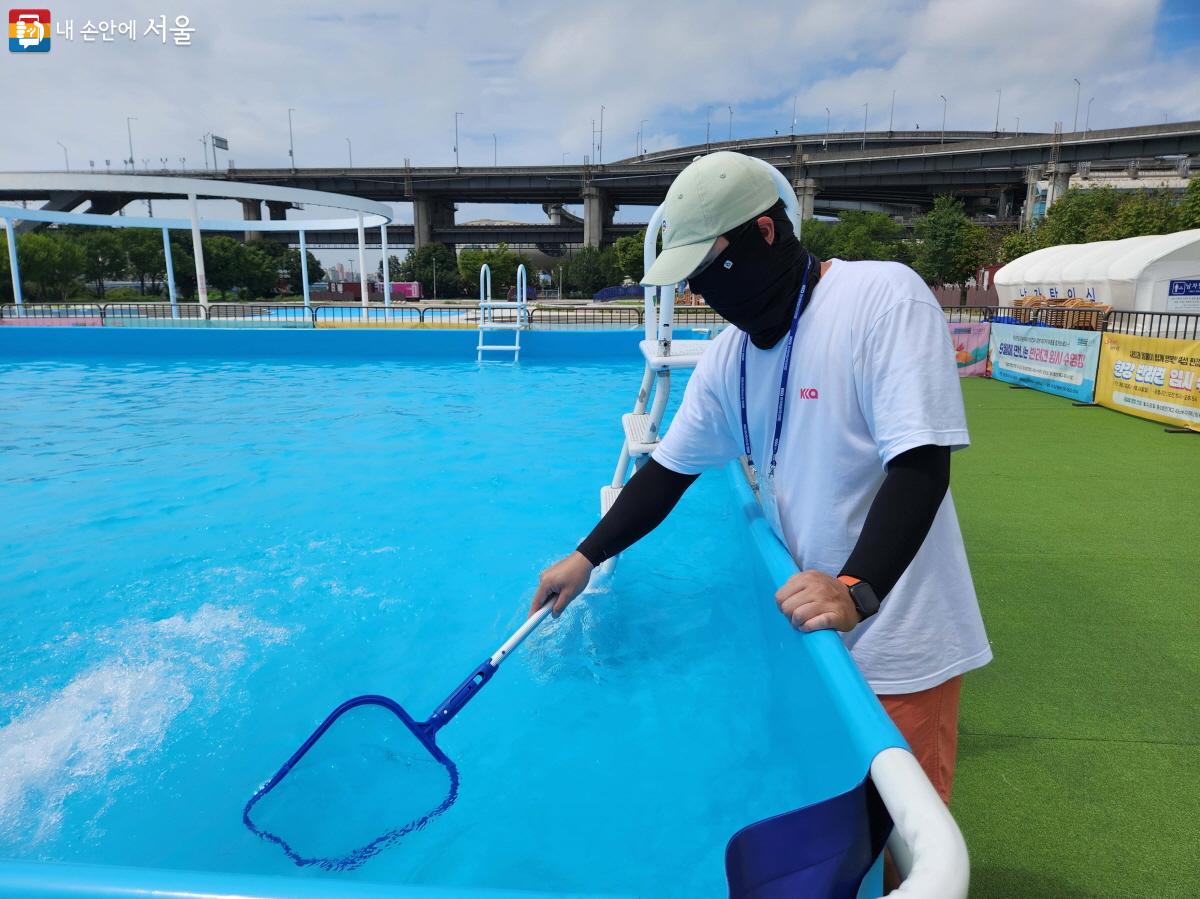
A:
(872, 375)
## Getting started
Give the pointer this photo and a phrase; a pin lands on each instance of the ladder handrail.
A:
(487, 307)
(485, 277)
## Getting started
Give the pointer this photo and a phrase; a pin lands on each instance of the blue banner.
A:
(1052, 360)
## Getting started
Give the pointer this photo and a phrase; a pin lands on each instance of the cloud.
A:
(390, 76)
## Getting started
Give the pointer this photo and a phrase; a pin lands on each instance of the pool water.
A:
(203, 558)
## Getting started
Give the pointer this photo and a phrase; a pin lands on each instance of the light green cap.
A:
(713, 195)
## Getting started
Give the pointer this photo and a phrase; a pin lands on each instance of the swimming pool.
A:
(209, 554)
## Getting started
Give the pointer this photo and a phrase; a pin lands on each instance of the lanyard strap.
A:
(783, 382)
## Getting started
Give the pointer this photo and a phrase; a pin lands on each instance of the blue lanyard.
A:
(783, 382)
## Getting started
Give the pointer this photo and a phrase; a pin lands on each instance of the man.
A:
(838, 383)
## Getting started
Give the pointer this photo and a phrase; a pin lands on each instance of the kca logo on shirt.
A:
(29, 30)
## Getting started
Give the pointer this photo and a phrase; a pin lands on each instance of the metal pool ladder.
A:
(642, 428)
(663, 354)
(513, 317)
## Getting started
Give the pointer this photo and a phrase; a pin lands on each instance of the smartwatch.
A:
(862, 595)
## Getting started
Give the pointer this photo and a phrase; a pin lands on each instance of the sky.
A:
(531, 77)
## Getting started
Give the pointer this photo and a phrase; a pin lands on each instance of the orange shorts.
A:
(929, 722)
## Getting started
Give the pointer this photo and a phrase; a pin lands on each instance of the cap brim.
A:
(676, 264)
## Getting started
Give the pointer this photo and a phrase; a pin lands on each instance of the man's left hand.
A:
(813, 601)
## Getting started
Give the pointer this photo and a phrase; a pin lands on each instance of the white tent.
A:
(1156, 273)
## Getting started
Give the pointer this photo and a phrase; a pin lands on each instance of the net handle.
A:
(521, 633)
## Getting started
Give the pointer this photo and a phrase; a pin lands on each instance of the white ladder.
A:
(514, 317)
(643, 429)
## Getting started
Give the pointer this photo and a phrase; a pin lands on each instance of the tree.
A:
(1018, 244)
(52, 260)
(394, 265)
(434, 262)
(818, 238)
(5, 272)
(104, 257)
(143, 249)
(258, 274)
(501, 261)
(630, 251)
(866, 235)
(589, 270)
(1144, 213)
(1080, 216)
(183, 263)
(223, 262)
(295, 273)
(1189, 207)
(950, 246)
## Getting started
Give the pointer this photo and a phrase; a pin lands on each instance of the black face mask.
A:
(754, 285)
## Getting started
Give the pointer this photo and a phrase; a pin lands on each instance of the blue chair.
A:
(822, 851)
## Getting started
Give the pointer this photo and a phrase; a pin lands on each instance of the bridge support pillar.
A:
(277, 210)
(806, 196)
(1004, 204)
(1033, 174)
(597, 215)
(430, 213)
(252, 212)
(1060, 181)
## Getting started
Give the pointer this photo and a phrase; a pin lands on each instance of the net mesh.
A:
(366, 779)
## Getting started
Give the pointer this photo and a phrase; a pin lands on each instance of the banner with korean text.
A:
(1053, 360)
(1151, 377)
(970, 341)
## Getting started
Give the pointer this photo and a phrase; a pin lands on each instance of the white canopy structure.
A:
(1156, 273)
(367, 213)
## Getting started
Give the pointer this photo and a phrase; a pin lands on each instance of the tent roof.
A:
(1108, 260)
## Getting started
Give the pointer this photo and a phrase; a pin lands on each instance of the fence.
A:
(1173, 325)
(344, 315)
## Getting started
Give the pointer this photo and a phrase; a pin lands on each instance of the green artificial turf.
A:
(1079, 747)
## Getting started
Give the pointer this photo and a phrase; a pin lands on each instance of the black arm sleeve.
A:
(900, 517)
(644, 502)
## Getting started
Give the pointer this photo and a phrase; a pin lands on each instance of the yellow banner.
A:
(1151, 377)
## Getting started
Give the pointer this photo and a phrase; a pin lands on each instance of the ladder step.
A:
(501, 326)
(641, 434)
(509, 347)
(608, 496)
(683, 354)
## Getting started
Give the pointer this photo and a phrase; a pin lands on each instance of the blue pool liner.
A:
(851, 718)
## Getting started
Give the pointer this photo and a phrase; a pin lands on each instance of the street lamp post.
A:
(291, 141)
(826, 144)
(793, 131)
(1075, 123)
(66, 158)
(129, 131)
(945, 106)
(495, 151)
(892, 112)
(456, 115)
(350, 152)
(1087, 118)
(731, 124)
(866, 109)
(642, 136)
(996, 129)
(600, 145)
(707, 128)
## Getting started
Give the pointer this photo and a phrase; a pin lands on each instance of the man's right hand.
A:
(562, 582)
